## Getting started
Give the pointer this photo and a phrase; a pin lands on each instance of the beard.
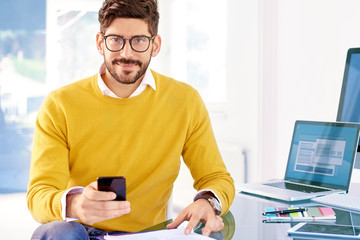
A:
(126, 77)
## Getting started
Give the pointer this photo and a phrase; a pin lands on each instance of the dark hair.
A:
(146, 10)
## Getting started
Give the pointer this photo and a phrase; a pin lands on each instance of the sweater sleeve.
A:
(202, 156)
(49, 171)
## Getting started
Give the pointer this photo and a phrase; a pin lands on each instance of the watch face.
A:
(215, 204)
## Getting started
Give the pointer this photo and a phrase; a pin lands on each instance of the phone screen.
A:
(330, 229)
(113, 184)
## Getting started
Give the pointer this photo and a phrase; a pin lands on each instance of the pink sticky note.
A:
(326, 211)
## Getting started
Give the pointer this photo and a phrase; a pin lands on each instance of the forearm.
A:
(44, 203)
(47, 184)
(223, 188)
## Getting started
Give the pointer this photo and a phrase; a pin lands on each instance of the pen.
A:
(285, 211)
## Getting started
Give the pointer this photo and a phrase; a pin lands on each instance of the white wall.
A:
(312, 40)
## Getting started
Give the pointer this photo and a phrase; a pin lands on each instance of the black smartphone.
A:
(113, 184)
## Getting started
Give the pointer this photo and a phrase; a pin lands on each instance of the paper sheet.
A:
(171, 234)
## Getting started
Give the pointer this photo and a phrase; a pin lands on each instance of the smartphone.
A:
(324, 231)
(113, 184)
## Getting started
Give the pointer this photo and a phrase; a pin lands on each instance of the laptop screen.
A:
(323, 153)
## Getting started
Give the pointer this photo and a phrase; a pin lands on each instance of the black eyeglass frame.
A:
(130, 41)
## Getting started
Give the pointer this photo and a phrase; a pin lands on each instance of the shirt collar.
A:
(147, 80)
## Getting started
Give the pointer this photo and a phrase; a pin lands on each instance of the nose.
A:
(126, 51)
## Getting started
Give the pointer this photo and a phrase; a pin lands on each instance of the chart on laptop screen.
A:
(322, 153)
(320, 156)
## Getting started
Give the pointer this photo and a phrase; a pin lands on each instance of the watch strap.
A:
(214, 202)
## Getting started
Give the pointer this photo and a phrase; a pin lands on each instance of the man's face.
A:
(127, 66)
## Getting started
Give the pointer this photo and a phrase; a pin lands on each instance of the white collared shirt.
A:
(147, 80)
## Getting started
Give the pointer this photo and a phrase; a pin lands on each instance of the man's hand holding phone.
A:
(92, 205)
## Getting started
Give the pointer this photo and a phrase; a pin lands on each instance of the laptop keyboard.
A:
(340, 200)
(296, 187)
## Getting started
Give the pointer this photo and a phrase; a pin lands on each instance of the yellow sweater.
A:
(81, 134)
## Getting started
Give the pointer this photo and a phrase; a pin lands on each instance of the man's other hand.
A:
(200, 210)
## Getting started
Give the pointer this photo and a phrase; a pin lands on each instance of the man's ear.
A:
(100, 43)
(157, 45)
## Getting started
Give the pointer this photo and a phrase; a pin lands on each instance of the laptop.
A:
(320, 162)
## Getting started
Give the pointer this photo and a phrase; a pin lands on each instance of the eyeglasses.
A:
(115, 43)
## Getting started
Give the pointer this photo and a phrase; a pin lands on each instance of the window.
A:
(22, 87)
(195, 39)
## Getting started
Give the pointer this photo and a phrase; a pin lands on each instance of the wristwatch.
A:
(213, 202)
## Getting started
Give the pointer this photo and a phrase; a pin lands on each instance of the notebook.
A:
(320, 162)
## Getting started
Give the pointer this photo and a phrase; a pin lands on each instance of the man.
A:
(126, 121)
